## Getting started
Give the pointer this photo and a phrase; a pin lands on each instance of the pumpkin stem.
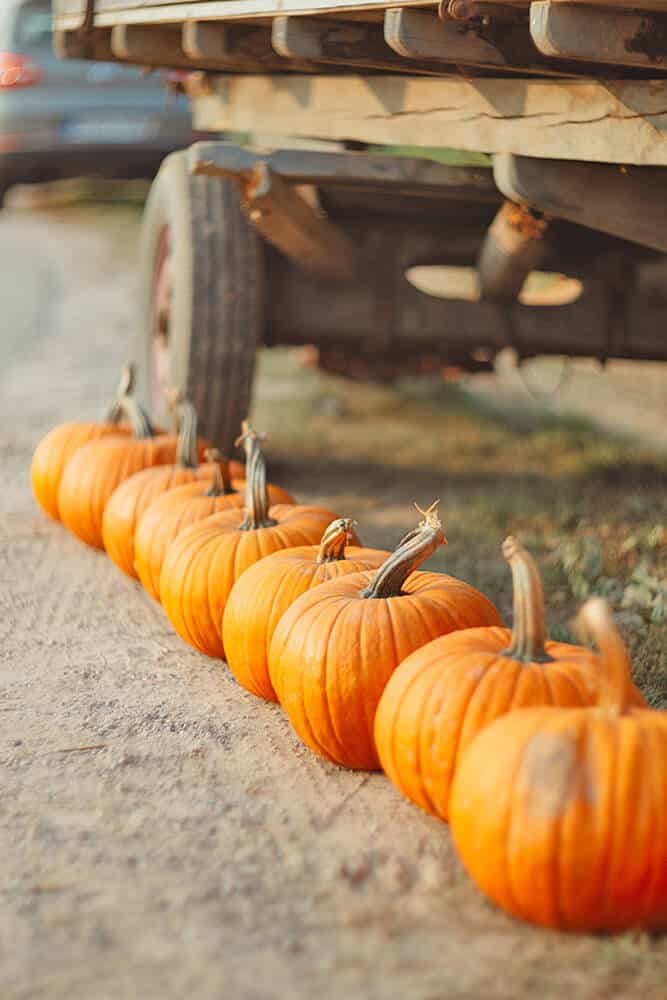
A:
(596, 621)
(186, 447)
(222, 481)
(256, 495)
(136, 416)
(334, 540)
(529, 630)
(410, 553)
(126, 387)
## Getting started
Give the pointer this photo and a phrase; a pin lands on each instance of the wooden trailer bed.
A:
(568, 99)
(552, 38)
(552, 78)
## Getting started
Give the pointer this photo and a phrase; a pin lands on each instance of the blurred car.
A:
(63, 119)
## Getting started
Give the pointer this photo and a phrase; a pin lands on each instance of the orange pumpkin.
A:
(183, 506)
(447, 691)
(129, 500)
(97, 468)
(204, 561)
(337, 646)
(560, 815)
(265, 591)
(55, 449)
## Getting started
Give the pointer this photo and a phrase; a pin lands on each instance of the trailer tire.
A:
(202, 285)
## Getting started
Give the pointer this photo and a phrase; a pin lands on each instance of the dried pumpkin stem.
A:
(256, 494)
(136, 416)
(186, 448)
(222, 481)
(596, 621)
(411, 552)
(334, 540)
(126, 387)
(529, 630)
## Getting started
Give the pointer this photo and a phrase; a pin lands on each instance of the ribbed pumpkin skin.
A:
(133, 497)
(170, 514)
(334, 651)
(561, 817)
(204, 561)
(94, 472)
(54, 452)
(439, 699)
(264, 593)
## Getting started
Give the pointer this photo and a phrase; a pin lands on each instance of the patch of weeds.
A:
(628, 578)
(648, 652)
(628, 570)
(646, 594)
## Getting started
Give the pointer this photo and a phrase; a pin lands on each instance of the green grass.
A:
(452, 157)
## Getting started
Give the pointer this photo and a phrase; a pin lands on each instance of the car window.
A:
(33, 27)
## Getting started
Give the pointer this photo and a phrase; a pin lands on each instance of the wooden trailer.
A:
(309, 231)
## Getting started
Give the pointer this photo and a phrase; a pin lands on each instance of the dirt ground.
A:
(163, 834)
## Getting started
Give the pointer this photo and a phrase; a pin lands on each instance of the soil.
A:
(163, 833)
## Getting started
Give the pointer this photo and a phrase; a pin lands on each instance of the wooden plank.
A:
(69, 15)
(360, 171)
(144, 45)
(216, 47)
(343, 44)
(415, 34)
(239, 48)
(70, 45)
(468, 10)
(296, 228)
(203, 40)
(208, 41)
(629, 203)
(614, 122)
(657, 6)
(571, 31)
(212, 43)
(505, 44)
(652, 5)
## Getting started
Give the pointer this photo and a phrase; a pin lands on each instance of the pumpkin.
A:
(560, 815)
(266, 590)
(204, 561)
(337, 646)
(447, 691)
(55, 449)
(183, 506)
(129, 500)
(97, 468)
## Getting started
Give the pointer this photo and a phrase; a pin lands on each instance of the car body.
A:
(69, 118)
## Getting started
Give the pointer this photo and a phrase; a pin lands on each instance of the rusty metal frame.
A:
(366, 171)
(512, 248)
(293, 224)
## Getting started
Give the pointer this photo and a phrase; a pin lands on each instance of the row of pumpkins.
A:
(543, 756)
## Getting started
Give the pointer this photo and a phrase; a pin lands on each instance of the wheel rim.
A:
(160, 315)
